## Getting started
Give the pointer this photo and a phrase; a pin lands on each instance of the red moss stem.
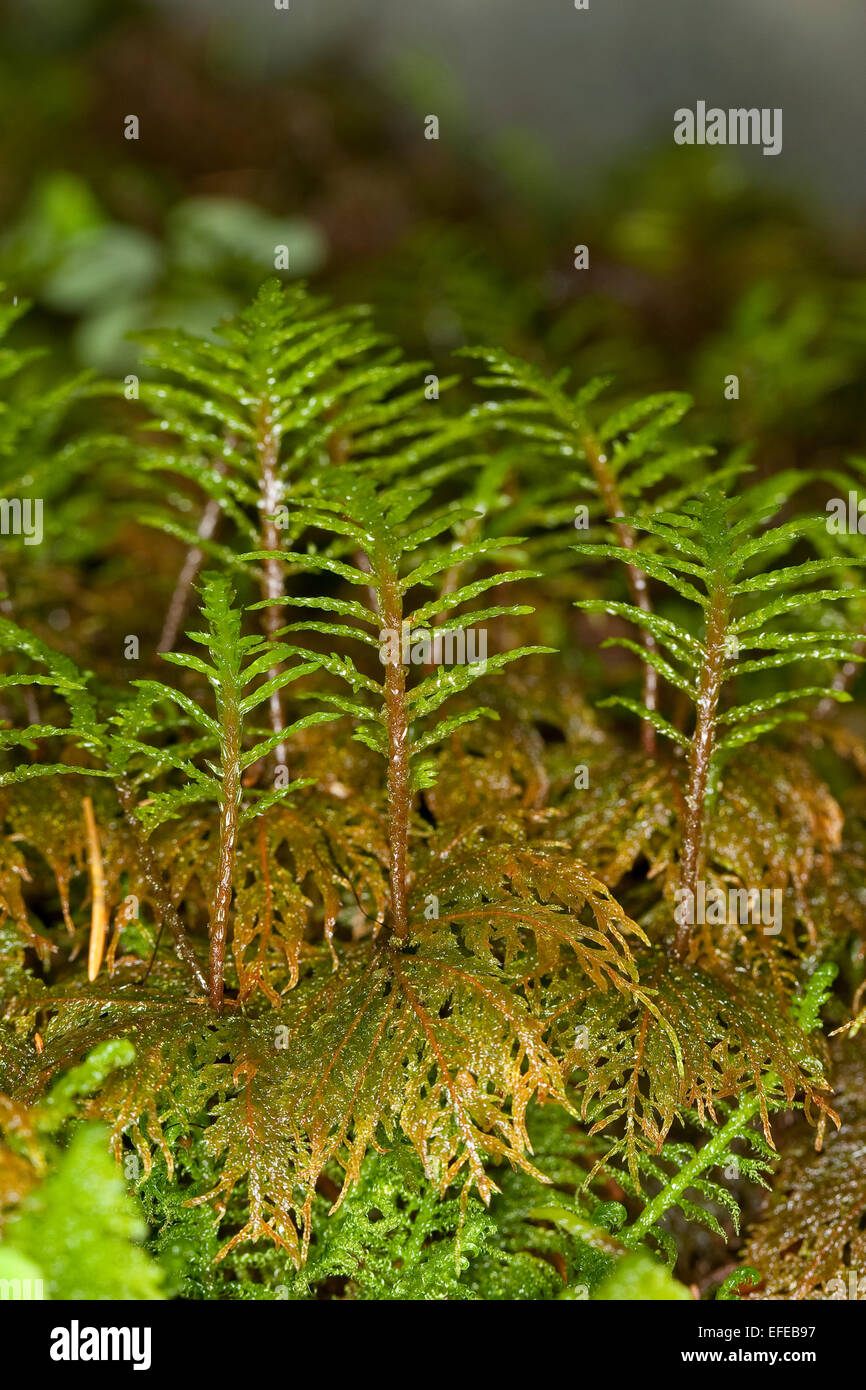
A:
(270, 497)
(153, 877)
(187, 577)
(229, 808)
(700, 757)
(637, 582)
(399, 792)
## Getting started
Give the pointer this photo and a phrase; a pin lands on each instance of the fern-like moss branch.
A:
(704, 554)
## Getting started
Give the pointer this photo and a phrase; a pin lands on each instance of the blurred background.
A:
(304, 127)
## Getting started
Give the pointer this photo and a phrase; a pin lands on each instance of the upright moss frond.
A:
(132, 751)
(615, 465)
(386, 525)
(709, 552)
(290, 383)
(235, 674)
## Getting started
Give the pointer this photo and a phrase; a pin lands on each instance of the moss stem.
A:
(229, 808)
(637, 581)
(701, 749)
(270, 497)
(399, 793)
